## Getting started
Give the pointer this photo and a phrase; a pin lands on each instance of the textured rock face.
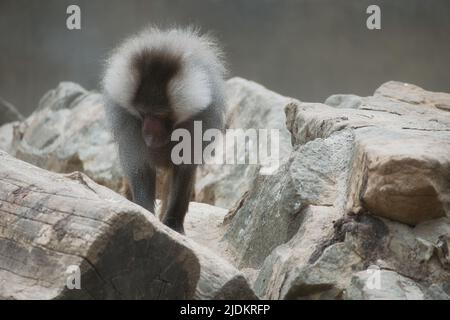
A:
(390, 159)
(52, 222)
(402, 150)
(358, 209)
(67, 132)
(395, 286)
(313, 175)
(404, 175)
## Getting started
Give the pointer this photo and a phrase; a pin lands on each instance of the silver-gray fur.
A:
(176, 72)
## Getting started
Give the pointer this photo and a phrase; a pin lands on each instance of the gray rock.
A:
(347, 101)
(414, 95)
(314, 174)
(402, 149)
(401, 175)
(68, 133)
(376, 284)
(395, 167)
(363, 183)
(52, 223)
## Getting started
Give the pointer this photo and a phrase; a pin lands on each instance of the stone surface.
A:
(274, 209)
(363, 186)
(414, 95)
(68, 132)
(362, 197)
(401, 163)
(376, 284)
(52, 222)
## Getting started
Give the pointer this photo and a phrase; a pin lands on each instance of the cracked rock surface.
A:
(359, 207)
(51, 223)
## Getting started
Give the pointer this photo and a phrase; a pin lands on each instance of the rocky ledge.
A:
(358, 209)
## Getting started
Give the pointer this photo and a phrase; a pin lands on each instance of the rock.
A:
(376, 284)
(326, 279)
(436, 292)
(402, 151)
(362, 187)
(8, 113)
(414, 95)
(346, 204)
(402, 175)
(273, 211)
(310, 266)
(345, 101)
(316, 228)
(53, 223)
(66, 133)
(250, 106)
(204, 225)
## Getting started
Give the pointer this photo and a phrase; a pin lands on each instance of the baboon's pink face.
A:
(156, 129)
(155, 69)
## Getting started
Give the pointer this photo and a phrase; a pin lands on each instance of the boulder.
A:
(314, 175)
(67, 132)
(401, 175)
(401, 156)
(413, 94)
(362, 172)
(358, 209)
(376, 284)
(56, 226)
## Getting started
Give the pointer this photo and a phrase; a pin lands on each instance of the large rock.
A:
(53, 224)
(401, 175)
(362, 190)
(319, 264)
(412, 94)
(402, 150)
(68, 132)
(362, 171)
(314, 175)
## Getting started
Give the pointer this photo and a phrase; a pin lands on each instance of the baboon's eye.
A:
(161, 115)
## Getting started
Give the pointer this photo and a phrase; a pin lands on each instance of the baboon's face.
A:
(155, 70)
(156, 128)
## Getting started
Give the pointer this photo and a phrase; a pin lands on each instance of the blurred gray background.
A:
(308, 49)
